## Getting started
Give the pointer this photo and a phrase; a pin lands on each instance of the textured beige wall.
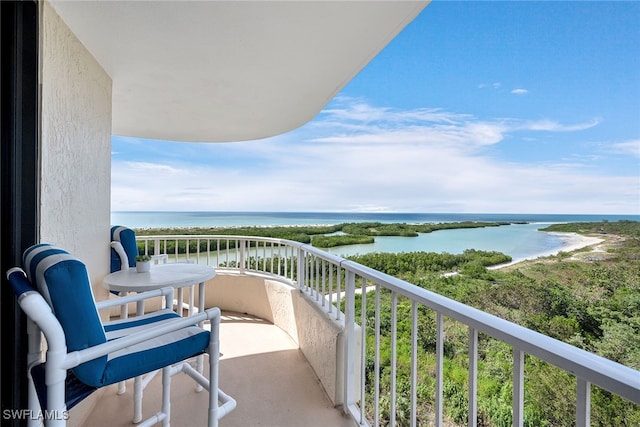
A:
(75, 156)
(76, 148)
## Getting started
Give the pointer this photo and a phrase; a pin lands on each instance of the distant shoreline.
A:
(572, 242)
(164, 219)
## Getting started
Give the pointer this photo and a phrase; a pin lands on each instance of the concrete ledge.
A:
(318, 335)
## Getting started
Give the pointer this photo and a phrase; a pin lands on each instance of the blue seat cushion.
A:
(152, 355)
(121, 327)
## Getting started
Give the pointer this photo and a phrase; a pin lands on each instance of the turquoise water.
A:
(517, 240)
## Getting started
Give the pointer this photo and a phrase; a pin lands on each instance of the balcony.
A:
(255, 355)
(301, 345)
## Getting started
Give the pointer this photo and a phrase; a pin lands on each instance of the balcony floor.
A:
(261, 367)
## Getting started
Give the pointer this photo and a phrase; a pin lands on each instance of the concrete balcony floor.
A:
(260, 366)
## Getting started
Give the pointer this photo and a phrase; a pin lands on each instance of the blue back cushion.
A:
(64, 282)
(127, 237)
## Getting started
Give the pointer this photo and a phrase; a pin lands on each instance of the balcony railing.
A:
(336, 285)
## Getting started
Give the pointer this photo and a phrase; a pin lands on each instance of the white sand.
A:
(571, 242)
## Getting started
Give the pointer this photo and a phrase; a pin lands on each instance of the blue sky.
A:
(514, 107)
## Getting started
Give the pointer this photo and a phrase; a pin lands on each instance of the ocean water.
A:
(140, 219)
(520, 241)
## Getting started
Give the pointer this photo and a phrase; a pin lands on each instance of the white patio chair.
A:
(124, 250)
(83, 356)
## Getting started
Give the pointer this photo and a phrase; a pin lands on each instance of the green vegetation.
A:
(380, 229)
(621, 228)
(592, 305)
(340, 240)
(416, 265)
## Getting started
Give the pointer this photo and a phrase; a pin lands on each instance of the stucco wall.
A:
(75, 193)
(76, 148)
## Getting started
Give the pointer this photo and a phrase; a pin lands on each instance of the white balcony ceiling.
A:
(229, 70)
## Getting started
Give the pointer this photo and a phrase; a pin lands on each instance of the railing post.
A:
(363, 349)
(414, 364)
(439, 369)
(156, 246)
(394, 364)
(518, 388)
(242, 255)
(583, 403)
(301, 269)
(338, 290)
(323, 280)
(473, 378)
(376, 367)
(349, 328)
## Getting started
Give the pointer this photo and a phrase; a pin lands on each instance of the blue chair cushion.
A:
(126, 237)
(64, 283)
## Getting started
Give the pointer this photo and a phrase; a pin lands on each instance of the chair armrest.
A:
(124, 259)
(164, 292)
(76, 358)
(40, 313)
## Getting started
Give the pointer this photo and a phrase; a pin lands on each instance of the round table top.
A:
(177, 275)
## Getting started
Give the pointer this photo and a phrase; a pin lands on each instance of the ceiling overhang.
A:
(214, 71)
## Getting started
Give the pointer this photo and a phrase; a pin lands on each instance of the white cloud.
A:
(358, 157)
(519, 91)
(553, 126)
(629, 147)
(493, 85)
(362, 124)
(146, 167)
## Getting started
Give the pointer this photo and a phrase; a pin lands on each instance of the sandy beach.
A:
(571, 242)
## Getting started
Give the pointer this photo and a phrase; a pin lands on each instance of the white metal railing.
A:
(334, 283)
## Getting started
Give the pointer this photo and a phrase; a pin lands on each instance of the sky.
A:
(476, 107)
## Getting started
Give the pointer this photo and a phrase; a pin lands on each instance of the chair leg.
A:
(214, 355)
(33, 403)
(166, 395)
(124, 314)
(138, 390)
(200, 369)
(56, 406)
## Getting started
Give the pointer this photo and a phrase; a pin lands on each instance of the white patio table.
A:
(177, 275)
